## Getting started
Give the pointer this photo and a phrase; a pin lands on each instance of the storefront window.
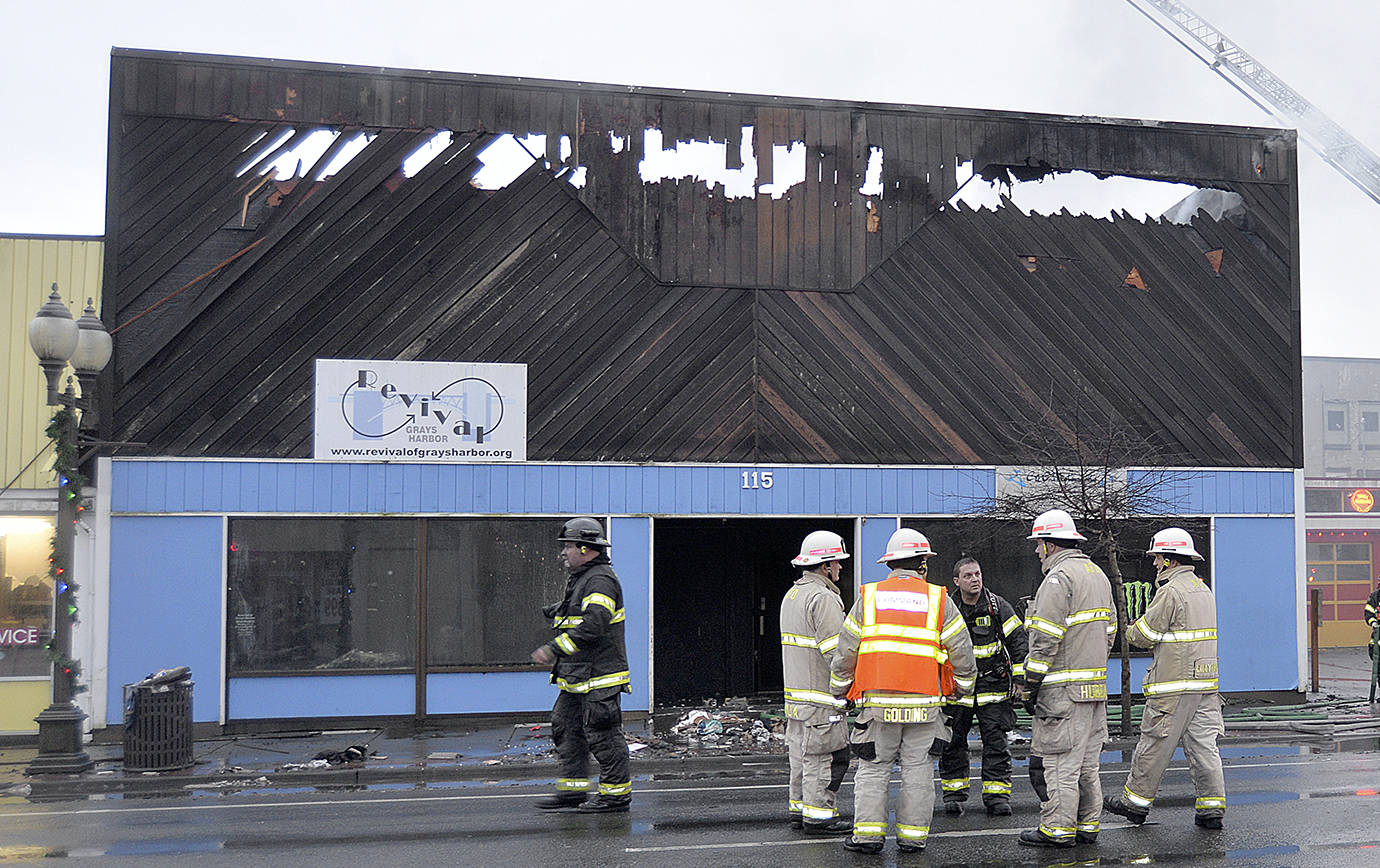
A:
(26, 595)
(1011, 569)
(322, 594)
(486, 582)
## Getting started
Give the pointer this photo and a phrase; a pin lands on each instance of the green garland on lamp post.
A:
(58, 340)
(66, 453)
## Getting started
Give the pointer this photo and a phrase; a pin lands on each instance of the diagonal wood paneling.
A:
(816, 236)
(665, 322)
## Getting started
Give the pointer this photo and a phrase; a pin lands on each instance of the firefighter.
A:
(591, 670)
(1000, 647)
(1181, 701)
(1070, 626)
(1371, 616)
(816, 732)
(890, 663)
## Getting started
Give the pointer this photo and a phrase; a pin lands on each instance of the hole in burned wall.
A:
(872, 177)
(428, 151)
(702, 161)
(787, 169)
(1049, 191)
(506, 158)
(290, 155)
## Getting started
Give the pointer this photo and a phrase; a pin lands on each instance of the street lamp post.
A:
(57, 339)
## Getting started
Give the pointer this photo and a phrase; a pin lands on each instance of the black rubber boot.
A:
(1085, 837)
(836, 826)
(602, 804)
(797, 821)
(953, 809)
(1119, 806)
(1000, 808)
(862, 846)
(561, 800)
(1207, 822)
(1036, 838)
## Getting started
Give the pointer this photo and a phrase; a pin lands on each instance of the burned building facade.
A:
(742, 318)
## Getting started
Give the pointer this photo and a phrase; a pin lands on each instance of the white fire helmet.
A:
(820, 546)
(906, 543)
(1174, 541)
(1056, 525)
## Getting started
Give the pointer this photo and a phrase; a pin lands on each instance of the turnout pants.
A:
(818, 754)
(1195, 719)
(582, 724)
(996, 754)
(1070, 745)
(878, 746)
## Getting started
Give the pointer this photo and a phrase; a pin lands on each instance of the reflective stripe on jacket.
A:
(1070, 626)
(811, 614)
(1181, 626)
(894, 640)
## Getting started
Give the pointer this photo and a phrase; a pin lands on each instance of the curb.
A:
(66, 787)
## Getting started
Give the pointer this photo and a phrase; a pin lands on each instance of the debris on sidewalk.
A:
(353, 754)
(731, 726)
(260, 781)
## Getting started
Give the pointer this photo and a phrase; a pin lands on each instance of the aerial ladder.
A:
(1339, 148)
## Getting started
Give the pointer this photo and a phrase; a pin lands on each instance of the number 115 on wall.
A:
(757, 479)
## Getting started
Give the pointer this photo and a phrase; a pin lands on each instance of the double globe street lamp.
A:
(58, 340)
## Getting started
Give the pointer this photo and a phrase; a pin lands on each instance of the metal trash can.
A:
(158, 722)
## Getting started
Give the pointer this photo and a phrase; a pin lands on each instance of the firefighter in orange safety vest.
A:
(1070, 625)
(816, 732)
(890, 662)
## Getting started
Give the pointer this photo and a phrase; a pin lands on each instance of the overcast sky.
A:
(1076, 57)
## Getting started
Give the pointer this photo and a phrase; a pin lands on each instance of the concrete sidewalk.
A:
(520, 751)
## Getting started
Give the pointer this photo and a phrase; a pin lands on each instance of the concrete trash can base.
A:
(158, 722)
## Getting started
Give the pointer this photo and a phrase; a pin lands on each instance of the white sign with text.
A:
(420, 411)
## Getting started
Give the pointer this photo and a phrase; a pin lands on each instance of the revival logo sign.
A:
(420, 411)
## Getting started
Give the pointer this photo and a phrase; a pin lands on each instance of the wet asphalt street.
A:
(1287, 806)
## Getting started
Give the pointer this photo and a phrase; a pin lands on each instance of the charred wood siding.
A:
(814, 237)
(665, 321)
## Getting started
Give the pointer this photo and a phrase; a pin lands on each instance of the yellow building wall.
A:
(29, 265)
(20, 703)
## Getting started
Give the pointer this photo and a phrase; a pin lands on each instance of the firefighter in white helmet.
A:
(1070, 625)
(1181, 701)
(816, 732)
(890, 662)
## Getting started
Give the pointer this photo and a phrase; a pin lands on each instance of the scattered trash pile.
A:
(732, 728)
(352, 756)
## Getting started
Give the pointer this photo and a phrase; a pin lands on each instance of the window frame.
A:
(420, 665)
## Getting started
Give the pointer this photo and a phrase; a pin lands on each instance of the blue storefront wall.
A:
(167, 557)
(166, 605)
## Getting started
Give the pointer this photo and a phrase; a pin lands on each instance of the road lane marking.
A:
(956, 833)
(364, 800)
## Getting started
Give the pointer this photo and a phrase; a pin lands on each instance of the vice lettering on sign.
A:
(18, 637)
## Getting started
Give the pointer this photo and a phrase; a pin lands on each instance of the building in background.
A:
(29, 266)
(1341, 433)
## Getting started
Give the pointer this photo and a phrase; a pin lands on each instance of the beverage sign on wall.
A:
(420, 411)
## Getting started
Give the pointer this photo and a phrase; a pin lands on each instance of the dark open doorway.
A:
(718, 584)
